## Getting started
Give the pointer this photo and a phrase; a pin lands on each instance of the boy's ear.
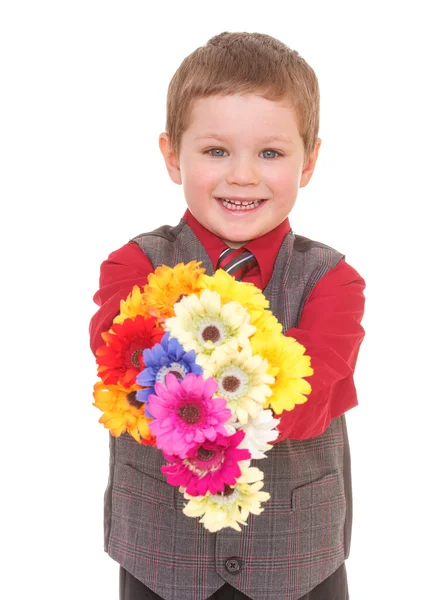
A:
(171, 160)
(308, 169)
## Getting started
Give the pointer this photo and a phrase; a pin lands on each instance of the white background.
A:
(83, 90)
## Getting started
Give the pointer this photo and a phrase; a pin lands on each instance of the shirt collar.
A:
(264, 248)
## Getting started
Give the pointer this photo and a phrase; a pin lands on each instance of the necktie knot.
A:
(236, 262)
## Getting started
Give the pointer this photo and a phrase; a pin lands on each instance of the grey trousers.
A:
(335, 587)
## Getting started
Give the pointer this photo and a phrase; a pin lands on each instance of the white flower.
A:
(243, 380)
(204, 324)
(258, 433)
(232, 507)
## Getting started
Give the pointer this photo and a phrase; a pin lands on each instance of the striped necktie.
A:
(236, 262)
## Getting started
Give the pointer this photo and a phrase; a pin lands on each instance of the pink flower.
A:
(185, 414)
(208, 466)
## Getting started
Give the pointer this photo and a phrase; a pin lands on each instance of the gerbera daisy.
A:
(208, 466)
(247, 294)
(242, 380)
(258, 433)
(288, 364)
(185, 414)
(204, 324)
(167, 357)
(167, 285)
(232, 507)
(120, 360)
(267, 324)
(135, 304)
(122, 411)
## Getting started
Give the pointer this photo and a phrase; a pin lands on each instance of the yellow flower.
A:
(242, 379)
(167, 285)
(267, 324)
(204, 324)
(122, 412)
(288, 365)
(135, 304)
(232, 507)
(230, 290)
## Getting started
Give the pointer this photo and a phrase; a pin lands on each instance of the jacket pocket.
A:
(144, 521)
(141, 486)
(319, 512)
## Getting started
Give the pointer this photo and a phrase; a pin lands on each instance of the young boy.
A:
(241, 137)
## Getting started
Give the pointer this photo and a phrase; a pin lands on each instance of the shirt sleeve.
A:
(123, 269)
(330, 329)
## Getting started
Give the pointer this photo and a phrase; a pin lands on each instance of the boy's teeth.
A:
(235, 205)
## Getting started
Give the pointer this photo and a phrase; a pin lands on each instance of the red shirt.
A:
(329, 328)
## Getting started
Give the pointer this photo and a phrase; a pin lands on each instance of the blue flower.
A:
(168, 356)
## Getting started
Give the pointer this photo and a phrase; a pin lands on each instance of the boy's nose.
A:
(242, 172)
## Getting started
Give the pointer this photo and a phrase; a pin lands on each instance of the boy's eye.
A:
(215, 151)
(272, 152)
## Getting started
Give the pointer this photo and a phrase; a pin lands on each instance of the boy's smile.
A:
(241, 164)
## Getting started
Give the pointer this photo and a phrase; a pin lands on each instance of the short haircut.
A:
(241, 63)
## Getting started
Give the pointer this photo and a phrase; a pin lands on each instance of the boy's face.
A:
(240, 149)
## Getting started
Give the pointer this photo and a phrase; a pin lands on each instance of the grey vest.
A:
(304, 533)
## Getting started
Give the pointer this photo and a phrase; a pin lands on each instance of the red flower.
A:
(121, 359)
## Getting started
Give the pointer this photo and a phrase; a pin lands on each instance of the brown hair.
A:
(241, 63)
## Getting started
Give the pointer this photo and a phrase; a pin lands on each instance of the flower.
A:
(135, 304)
(248, 295)
(120, 360)
(185, 414)
(258, 433)
(208, 466)
(267, 324)
(229, 289)
(242, 379)
(166, 357)
(122, 412)
(167, 285)
(232, 507)
(288, 365)
(204, 324)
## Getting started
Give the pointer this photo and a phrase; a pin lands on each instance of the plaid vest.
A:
(304, 533)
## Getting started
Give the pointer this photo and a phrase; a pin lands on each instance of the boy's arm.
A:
(329, 329)
(331, 332)
(123, 269)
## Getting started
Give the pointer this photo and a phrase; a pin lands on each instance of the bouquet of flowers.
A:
(198, 367)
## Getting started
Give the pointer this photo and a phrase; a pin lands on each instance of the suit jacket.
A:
(304, 533)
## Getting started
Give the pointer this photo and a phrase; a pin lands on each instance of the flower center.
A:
(175, 368)
(206, 460)
(190, 413)
(211, 334)
(177, 374)
(230, 383)
(211, 331)
(135, 357)
(205, 454)
(132, 399)
(228, 491)
(228, 497)
(233, 382)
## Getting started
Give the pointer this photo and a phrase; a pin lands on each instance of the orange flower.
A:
(122, 412)
(121, 360)
(167, 285)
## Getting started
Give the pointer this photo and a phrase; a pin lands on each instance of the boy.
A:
(241, 137)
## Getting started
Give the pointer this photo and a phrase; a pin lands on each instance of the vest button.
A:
(233, 565)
